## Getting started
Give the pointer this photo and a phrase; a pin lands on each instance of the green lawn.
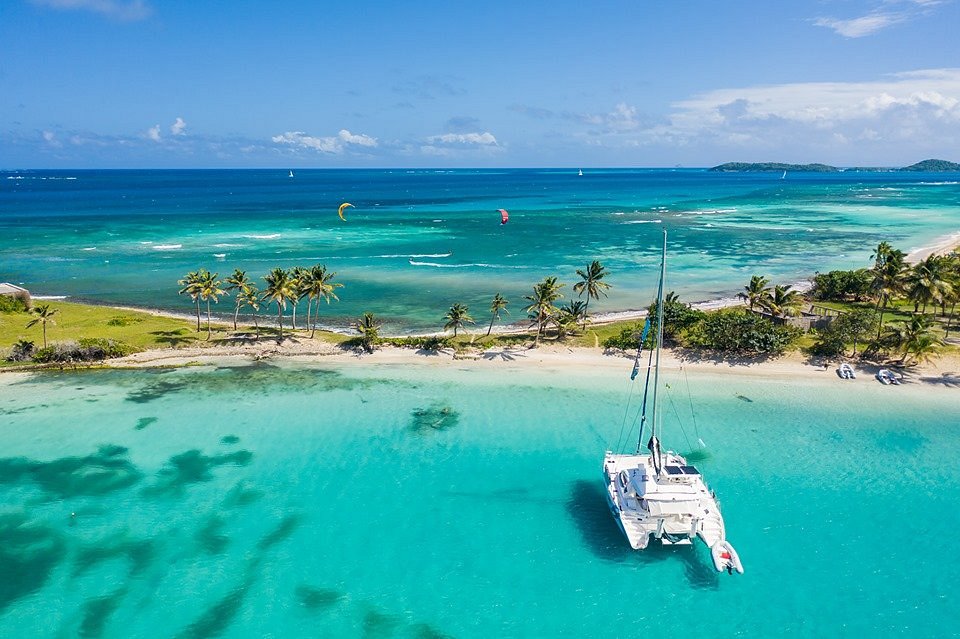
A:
(139, 330)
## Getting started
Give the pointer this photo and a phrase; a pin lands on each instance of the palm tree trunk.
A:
(950, 320)
(208, 320)
(236, 313)
(307, 325)
(256, 324)
(880, 323)
(44, 327)
(293, 320)
(493, 316)
(585, 307)
(198, 314)
(280, 319)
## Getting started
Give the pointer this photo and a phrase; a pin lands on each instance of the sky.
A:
(609, 83)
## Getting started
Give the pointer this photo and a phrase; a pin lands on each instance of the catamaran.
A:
(657, 494)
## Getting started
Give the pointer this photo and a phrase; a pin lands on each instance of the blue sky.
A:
(151, 83)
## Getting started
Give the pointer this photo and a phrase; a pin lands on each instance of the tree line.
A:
(283, 288)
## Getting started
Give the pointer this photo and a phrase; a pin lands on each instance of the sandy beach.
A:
(569, 361)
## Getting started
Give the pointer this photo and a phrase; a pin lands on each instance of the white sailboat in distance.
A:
(657, 494)
(580, 173)
(291, 174)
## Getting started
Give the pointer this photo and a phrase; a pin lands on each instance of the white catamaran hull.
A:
(674, 509)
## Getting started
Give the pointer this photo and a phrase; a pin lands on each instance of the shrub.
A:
(678, 318)
(21, 351)
(123, 320)
(839, 286)
(739, 331)
(429, 343)
(86, 350)
(13, 304)
(628, 339)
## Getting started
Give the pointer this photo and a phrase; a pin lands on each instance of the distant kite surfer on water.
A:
(504, 216)
(340, 210)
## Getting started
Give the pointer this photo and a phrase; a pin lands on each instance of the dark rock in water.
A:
(97, 611)
(426, 631)
(744, 398)
(193, 467)
(378, 624)
(29, 551)
(143, 422)
(319, 599)
(139, 553)
(283, 530)
(156, 390)
(103, 472)
(433, 418)
(240, 495)
(219, 616)
(210, 536)
(229, 439)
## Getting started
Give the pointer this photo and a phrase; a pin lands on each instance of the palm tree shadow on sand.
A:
(175, 338)
(587, 507)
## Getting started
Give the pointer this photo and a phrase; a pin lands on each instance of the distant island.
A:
(926, 166)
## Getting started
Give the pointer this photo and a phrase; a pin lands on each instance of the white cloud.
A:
(51, 139)
(128, 11)
(329, 144)
(862, 26)
(178, 127)
(886, 14)
(154, 133)
(919, 109)
(359, 139)
(464, 139)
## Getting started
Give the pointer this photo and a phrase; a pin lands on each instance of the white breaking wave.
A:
(89, 248)
(643, 222)
(225, 245)
(272, 236)
(417, 255)
(926, 183)
(480, 265)
(167, 247)
(220, 255)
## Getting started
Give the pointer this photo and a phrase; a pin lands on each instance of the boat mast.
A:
(656, 372)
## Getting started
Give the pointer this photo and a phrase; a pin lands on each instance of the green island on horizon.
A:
(924, 166)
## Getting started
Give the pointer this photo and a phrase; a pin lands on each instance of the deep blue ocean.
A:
(417, 241)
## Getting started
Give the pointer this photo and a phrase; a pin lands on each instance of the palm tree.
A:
(237, 282)
(498, 304)
(280, 289)
(928, 282)
(541, 306)
(784, 301)
(209, 289)
(319, 285)
(457, 317)
(567, 317)
(369, 329)
(191, 287)
(44, 315)
(953, 267)
(250, 296)
(917, 338)
(591, 281)
(301, 278)
(757, 292)
(888, 268)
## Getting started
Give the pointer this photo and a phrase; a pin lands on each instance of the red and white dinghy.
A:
(725, 557)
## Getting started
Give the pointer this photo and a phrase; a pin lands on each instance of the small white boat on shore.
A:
(845, 371)
(887, 377)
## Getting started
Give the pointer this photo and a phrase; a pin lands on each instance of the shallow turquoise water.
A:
(417, 501)
(419, 241)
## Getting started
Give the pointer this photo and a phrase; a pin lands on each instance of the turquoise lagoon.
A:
(376, 500)
(418, 241)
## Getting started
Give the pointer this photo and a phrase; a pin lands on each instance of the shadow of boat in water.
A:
(587, 507)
